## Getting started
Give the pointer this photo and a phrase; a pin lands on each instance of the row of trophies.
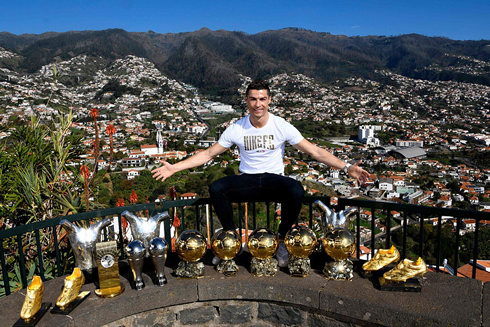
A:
(300, 242)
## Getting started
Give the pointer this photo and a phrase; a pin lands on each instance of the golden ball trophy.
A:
(262, 244)
(226, 245)
(338, 242)
(191, 247)
(300, 242)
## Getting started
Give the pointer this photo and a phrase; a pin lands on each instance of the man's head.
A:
(258, 99)
(258, 85)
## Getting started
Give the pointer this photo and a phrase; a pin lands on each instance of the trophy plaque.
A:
(263, 244)
(300, 242)
(108, 269)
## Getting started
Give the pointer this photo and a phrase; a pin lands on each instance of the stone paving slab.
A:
(444, 301)
(279, 288)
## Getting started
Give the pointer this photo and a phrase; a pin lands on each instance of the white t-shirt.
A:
(261, 149)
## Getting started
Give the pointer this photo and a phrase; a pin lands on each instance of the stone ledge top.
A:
(444, 300)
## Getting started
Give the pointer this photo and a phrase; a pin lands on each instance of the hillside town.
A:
(403, 130)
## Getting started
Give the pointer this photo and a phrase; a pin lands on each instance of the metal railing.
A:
(28, 237)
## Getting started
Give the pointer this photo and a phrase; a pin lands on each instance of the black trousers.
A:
(257, 188)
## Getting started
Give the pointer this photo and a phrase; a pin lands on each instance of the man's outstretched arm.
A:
(329, 159)
(196, 160)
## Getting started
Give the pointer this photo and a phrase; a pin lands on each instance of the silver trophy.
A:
(338, 242)
(158, 250)
(143, 229)
(82, 241)
(136, 257)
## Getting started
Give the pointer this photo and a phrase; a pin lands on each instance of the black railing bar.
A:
(167, 230)
(104, 231)
(179, 212)
(198, 220)
(388, 229)
(358, 232)
(439, 237)
(456, 252)
(475, 251)
(240, 219)
(405, 231)
(4, 270)
(310, 210)
(267, 204)
(22, 263)
(121, 236)
(57, 251)
(421, 245)
(40, 255)
(211, 218)
(254, 217)
(373, 231)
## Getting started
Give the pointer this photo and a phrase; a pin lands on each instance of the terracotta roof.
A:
(467, 271)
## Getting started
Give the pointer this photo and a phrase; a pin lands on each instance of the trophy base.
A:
(410, 285)
(110, 292)
(161, 281)
(34, 320)
(139, 285)
(190, 269)
(72, 305)
(299, 267)
(227, 268)
(263, 267)
(339, 270)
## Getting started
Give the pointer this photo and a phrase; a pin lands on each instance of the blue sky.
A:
(459, 20)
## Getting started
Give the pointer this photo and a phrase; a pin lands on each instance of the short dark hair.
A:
(258, 84)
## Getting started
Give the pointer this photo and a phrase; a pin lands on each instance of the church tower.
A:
(159, 141)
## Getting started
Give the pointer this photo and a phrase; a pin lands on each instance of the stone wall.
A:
(229, 313)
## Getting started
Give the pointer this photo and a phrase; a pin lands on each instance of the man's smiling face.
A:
(258, 103)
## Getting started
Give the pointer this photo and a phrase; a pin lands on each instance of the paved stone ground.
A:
(281, 300)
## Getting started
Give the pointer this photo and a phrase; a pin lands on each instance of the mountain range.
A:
(215, 61)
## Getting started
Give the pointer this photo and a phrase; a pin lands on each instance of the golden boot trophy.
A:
(34, 308)
(381, 259)
(406, 269)
(71, 296)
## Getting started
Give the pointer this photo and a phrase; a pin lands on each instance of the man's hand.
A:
(164, 171)
(358, 173)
